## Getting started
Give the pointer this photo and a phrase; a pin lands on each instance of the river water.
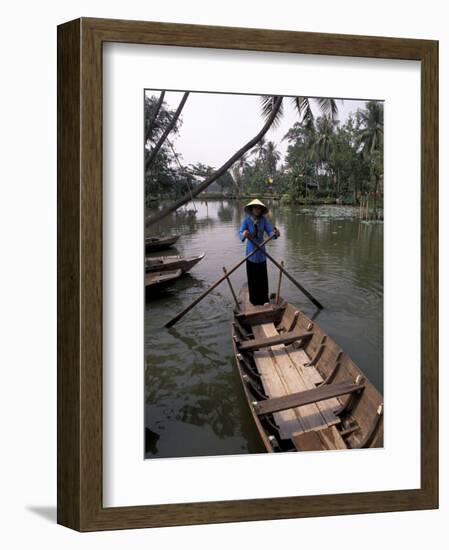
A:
(194, 402)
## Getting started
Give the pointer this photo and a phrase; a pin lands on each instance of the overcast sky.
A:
(216, 125)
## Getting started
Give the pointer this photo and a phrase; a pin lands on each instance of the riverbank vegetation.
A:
(326, 162)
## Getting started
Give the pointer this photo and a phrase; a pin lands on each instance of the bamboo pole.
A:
(211, 288)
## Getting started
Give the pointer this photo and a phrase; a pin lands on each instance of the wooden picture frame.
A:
(80, 351)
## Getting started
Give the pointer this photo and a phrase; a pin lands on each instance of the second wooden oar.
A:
(294, 281)
(193, 304)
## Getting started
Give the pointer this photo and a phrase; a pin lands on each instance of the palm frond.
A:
(304, 109)
(267, 105)
(328, 107)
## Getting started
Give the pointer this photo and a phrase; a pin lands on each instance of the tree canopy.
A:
(324, 157)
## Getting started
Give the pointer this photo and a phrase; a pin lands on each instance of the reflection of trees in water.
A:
(195, 396)
(196, 385)
(369, 257)
(190, 377)
(212, 404)
(225, 212)
(181, 222)
(207, 214)
(326, 243)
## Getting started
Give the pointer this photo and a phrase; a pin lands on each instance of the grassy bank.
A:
(283, 199)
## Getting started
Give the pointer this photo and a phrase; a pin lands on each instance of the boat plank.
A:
(300, 358)
(313, 378)
(318, 414)
(287, 421)
(319, 440)
(311, 415)
(326, 408)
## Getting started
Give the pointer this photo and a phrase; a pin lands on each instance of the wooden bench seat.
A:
(267, 342)
(261, 314)
(299, 399)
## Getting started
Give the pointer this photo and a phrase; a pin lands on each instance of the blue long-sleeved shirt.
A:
(264, 227)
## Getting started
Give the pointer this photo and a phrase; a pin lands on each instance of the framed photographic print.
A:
(247, 274)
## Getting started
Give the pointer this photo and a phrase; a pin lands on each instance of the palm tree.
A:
(149, 160)
(237, 170)
(324, 143)
(272, 157)
(272, 111)
(371, 135)
(303, 105)
(260, 151)
(276, 104)
(371, 139)
(153, 117)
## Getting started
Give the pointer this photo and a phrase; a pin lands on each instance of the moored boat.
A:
(157, 279)
(304, 392)
(153, 244)
(169, 263)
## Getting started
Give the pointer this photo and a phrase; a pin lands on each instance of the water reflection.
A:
(194, 401)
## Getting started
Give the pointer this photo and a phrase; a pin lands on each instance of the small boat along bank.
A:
(158, 279)
(170, 263)
(152, 244)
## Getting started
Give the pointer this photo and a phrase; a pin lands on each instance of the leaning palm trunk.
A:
(164, 136)
(188, 197)
(154, 117)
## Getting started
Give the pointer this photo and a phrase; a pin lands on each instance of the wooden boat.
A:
(304, 392)
(168, 263)
(157, 279)
(159, 243)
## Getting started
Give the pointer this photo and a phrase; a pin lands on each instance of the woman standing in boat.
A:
(255, 225)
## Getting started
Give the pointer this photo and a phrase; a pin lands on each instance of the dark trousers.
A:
(257, 282)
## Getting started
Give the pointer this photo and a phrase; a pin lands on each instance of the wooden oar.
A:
(204, 294)
(294, 281)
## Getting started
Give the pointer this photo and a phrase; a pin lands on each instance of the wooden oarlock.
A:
(278, 293)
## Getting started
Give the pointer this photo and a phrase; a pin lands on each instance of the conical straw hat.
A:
(256, 202)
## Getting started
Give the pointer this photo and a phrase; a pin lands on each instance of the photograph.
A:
(247, 259)
(263, 328)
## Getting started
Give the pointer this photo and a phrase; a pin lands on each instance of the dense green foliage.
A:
(166, 175)
(325, 161)
(333, 160)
